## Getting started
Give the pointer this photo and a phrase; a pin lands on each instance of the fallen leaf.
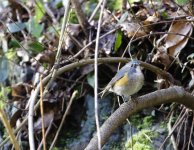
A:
(162, 57)
(15, 117)
(74, 29)
(180, 27)
(45, 57)
(176, 49)
(107, 43)
(151, 19)
(132, 28)
(20, 90)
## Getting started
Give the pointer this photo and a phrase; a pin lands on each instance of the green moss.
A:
(141, 123)
(116, 147)
(73, 17)
(141, 140)
(115, 5)
(147, 122)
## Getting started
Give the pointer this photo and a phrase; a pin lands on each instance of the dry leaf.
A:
(162, 57)
(20, 91)
(45, 57)
(74, 29)
(132, 28)
(151, 19)
(180, 27)
(107, 43)
(15, 117)
(176, 49)
(142, 14)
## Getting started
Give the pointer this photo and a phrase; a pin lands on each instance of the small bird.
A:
(128, 81)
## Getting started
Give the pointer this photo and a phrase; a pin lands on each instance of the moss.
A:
(114, 5)
(73, 17)
(147, 122)
(141, 123)
(141, 140)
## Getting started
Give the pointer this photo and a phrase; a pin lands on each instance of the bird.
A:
(127, 81)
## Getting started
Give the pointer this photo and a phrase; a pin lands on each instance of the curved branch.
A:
(172, 94)
(81, 64)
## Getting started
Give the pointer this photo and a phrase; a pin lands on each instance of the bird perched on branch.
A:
(128, 81)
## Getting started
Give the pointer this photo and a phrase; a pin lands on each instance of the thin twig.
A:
(96, 75)
(89, 44)
(170, 130)
(53, 75)
(95, 10)
(47, 131)
(9, 130)
(42, 113)
(161, 33)
(185, 132)
(63, 119)
(49, 12)
(190, 136)
(175, 126)
(29, 13)
(128, 47)
(124, 5)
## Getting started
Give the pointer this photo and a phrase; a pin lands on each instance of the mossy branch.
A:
(172, 94)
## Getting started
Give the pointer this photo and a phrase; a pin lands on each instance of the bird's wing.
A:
(119, 75)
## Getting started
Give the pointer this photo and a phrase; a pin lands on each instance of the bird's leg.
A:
(126, 99)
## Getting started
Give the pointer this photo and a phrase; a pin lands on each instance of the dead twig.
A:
(9, 130)
(96, 76)
(42, 113)
(190, 136)
(170, 130)
(63, 119)
(174, 127)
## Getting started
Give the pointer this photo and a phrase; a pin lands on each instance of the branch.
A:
(172, 94)
(96, 75)
(9, 129)
(82, 63)
(80, 15)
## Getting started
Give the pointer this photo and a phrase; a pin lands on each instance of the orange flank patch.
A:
(122, 81)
